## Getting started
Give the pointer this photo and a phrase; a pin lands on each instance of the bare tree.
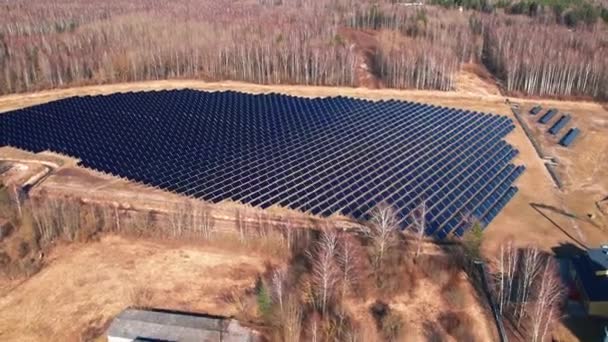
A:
(325, 273)
(548, 294)
(180, 218)
(44, 48)
(117, 218)
(288, 228)
(383, 230)
(504, 278)
(203, 221)
(15, 198)
(278, 286)
(530, 265)
(241, 223)
(44, 220)
(349, 262)
(55, 218)
(69, 218)
(528, 288)
(262, 219)
(418, 226)
(291, 320)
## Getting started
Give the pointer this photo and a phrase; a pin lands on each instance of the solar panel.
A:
(324, 156)
(569, 137)
(561, 123)
(535, 110)
(547, 116)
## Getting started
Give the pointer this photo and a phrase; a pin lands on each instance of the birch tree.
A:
(548, 293)
(418, 226)
(383, 230)
(325, 273)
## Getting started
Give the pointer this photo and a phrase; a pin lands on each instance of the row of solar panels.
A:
(568, 138)
(324, 156)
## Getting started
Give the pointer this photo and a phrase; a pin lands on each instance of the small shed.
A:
(162, 325)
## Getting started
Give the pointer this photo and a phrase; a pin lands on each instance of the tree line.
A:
(291, 42)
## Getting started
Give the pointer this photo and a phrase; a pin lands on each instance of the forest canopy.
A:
(75, 42)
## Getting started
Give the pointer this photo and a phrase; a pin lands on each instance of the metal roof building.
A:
(158, 325)
(590, 273)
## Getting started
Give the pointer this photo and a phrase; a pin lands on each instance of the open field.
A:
(69, 300)
(83, 286)
(583, 167)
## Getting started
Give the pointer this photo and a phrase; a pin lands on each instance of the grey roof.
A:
(170, 326)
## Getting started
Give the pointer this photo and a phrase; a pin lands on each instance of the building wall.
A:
(598, 308)
(119, 339)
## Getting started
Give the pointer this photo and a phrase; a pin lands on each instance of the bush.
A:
(458, 325)
(472, 240)
(604, 14)
(264, 301)
(5, 260)
(455, 296)
(389, 322)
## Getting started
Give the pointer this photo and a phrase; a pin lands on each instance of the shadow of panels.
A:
(323, 156)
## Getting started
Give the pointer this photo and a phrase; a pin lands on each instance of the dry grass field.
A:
(83, 286)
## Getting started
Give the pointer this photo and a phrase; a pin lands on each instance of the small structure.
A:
(590, 274)
(160, 325)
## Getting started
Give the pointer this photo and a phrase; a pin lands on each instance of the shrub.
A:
(458, 325)
(604, 14)
(455, 296)
(472, 240)
(264, 301)
(5, 260)
(389, 322)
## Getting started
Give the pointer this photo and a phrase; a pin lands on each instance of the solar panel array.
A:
(322, 155)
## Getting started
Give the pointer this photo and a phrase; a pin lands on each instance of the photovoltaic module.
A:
(323, 155)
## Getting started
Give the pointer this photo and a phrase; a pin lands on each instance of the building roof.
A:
(159, 325)
(599, 256)
(587, 266)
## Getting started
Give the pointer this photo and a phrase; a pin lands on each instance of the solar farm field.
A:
(324, 156)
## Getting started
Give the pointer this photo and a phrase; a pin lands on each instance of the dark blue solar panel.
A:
(569, 137)
(547, 116)
(561, 123)
(535, 110)
(323, 155)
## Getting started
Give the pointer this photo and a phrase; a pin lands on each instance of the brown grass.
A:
(87, 282)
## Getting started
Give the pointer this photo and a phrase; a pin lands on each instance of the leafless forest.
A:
(320, 42)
